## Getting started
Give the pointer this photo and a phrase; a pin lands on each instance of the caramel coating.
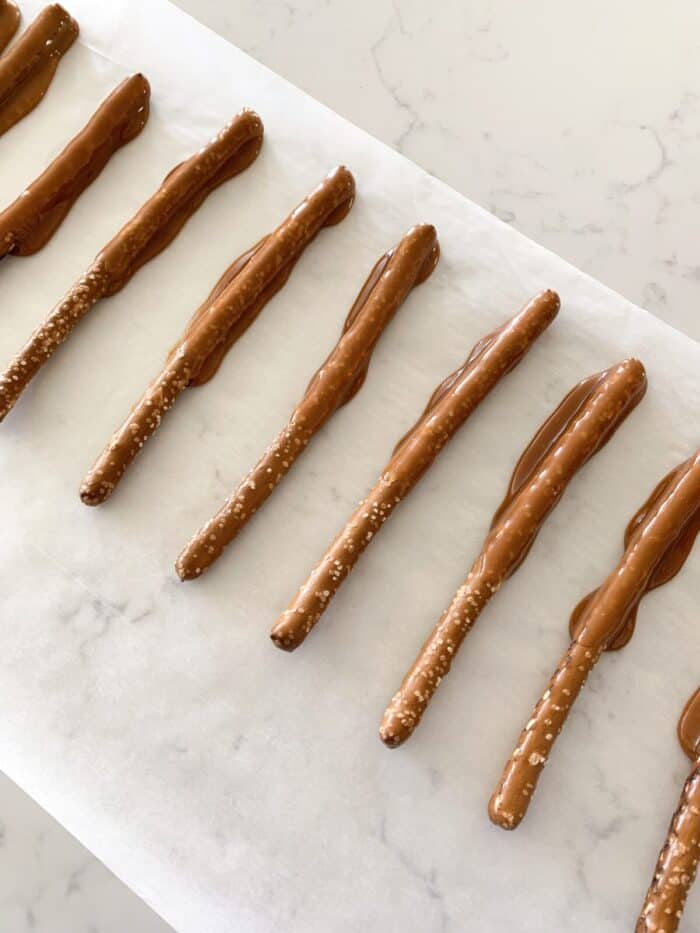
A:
(29, 222)
(661, 536)
(27, 69)
(9, 22)
(152, 228)
(579, 427)
(336, 382)
(689, 727)
(234, 304)
(448, 408)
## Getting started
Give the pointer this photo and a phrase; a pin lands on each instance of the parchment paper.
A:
(237, 788)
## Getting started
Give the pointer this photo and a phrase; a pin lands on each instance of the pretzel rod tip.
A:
(394, 730)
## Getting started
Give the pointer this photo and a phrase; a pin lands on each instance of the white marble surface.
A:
(49, 883)
(579, 123)
(590, 146)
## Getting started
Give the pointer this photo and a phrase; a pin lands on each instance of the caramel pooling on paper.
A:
(337, 381)
(27, 69)
(448, 408)
(234, 304)
(658, 540)
(155, 225)
(9, 22)
(678, 860)
(578, 428)
(30, 221)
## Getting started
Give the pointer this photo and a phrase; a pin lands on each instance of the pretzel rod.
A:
(677, 864)
(448, 408)
(679, 857)
(234, 304)
(9, 22)
(151, 229)
(663, 529)
(30, 221)
(27, 69)
(578, 428)
(337, 381)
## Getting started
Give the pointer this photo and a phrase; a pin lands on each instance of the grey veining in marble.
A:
(577, 123)
(595, 157)
(49, 883)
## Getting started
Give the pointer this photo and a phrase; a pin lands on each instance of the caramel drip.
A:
(334, 384)
(657, 543)
(249, 282)
(211, 365)
(30, 222)
(214, 360)
(545, 440)
(657, 528)
(27, 69)
(247, 315)
(413, 457)
(689, 727)
(441, 392)
(584, 421)
(155, 225)
(9, 22)
(667, 568)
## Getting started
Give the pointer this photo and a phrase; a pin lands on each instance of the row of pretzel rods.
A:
(657, 541)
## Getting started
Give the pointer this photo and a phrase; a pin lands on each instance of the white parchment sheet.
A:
(237, 788)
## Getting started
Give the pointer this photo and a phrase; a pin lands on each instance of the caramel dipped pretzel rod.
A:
(679, 857)
(337, 381)
(9, 22)
(447, 410)
(27, 69)
(155, 225)
(236, 301)
(30, 221)
(584, 421)
(658, 540)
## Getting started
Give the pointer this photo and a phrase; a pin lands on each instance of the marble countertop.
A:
(539, 114)
(49, 883)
